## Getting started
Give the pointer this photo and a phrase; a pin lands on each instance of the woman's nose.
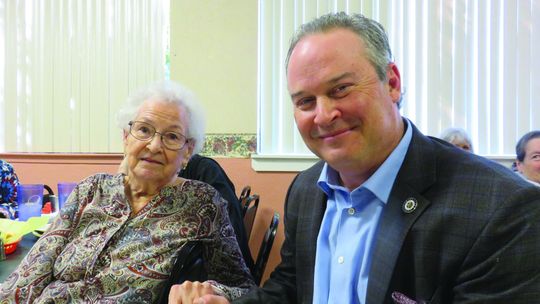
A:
(155, 143)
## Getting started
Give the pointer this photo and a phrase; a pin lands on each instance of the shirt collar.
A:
(378, 183)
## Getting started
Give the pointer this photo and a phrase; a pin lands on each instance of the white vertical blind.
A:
(465, 63)
(67, 65)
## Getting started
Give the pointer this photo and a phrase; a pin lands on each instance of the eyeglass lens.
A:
(144, 131)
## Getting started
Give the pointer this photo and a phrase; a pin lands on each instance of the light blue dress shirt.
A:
(345, 240)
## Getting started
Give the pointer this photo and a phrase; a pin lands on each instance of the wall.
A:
(214, 53)
(271, 186)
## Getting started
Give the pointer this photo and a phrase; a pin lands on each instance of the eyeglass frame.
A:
(130, 124)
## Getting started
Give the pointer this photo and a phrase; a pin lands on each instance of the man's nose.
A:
(325, 112)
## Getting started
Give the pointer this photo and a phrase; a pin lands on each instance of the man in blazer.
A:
(390, 215)
(473, 236)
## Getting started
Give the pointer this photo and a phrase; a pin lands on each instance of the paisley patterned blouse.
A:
(95, 252)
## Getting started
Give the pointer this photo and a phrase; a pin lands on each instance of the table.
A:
(13, 260)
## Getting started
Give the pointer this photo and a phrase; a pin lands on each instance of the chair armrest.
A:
(189, 266)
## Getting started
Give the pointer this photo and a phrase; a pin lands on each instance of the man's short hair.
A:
(370, 31)
(522, 143)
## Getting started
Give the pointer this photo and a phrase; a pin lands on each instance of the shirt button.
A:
(351, 211)
(341, 259)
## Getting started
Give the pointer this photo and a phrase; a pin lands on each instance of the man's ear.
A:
(394, 82)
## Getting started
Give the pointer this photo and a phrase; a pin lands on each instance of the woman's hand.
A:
(194, 292)
(211, 299)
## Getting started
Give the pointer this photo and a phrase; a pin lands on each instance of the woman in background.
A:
(459, 138)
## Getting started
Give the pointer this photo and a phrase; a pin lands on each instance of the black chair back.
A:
(264, 250)
(243, 198)
(189, 266)
(252, 204)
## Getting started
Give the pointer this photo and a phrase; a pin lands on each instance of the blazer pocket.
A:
(400, 298)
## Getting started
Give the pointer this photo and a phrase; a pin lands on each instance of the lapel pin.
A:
(410, 205)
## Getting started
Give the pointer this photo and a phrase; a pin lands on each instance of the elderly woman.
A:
(458, 137)
(117, 237)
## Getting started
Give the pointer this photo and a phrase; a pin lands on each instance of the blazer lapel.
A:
(313, 226)
(311, 203)
(404, 206)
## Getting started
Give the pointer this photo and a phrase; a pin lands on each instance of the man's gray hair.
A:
(370, 31)
(173, 92)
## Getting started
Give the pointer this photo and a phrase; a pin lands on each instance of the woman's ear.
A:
(190, 148)
(125, 135)
(123, 167)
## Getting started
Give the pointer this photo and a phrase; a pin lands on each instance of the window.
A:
(470, 64)
(66, 67)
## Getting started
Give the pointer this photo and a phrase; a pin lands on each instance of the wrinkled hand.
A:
(211, 299)
(194, 292)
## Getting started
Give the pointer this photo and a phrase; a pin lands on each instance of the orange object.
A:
(47, 209)
(11, 247)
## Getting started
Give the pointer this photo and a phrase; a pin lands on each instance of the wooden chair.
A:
(264, 250)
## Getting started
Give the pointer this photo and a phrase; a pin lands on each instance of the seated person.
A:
(8, 190)
(528, 157)
(458, 137)
(209, 171)
(117, 237)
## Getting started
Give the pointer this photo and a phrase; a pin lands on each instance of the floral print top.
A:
(95, 252)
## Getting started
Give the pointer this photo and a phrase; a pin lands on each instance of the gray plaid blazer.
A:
(472, 237)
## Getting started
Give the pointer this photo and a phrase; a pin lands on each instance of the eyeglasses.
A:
(145, 132)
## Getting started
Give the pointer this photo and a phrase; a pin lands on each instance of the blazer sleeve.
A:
(503, 266)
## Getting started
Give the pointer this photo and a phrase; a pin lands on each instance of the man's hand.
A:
(195, 292)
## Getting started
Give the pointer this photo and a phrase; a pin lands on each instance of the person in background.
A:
(513, 167)
(207, 170)
(528, 157)
(459, 138)
(8, 191)
(389, 215)
(117, 237)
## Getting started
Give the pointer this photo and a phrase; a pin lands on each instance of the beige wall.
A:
(214, 53)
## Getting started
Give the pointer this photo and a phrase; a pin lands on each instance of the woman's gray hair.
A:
(370, 31)
(452, 135)
(173, 92)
